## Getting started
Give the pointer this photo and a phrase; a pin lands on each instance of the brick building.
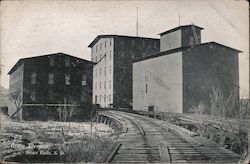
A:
(45, 83)
(112, 73)
(184, 73)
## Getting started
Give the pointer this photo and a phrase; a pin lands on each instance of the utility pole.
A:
(179, 18)
(137, 21)
(65, 109)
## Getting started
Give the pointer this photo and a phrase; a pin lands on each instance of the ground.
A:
(36, 137)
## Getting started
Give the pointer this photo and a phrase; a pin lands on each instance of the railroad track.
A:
(148, 140)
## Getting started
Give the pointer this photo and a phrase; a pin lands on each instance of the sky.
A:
(33, 28)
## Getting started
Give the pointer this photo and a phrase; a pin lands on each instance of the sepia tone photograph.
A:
(105, 81)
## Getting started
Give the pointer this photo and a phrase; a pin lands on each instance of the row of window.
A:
(51, 96)
(104, 85)
(105, 57)
(122, 44)
(101, 45)
(51, 79)
(106, 98)
(66, 61)
(100, 71)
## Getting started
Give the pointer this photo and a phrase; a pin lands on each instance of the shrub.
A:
(88, 150)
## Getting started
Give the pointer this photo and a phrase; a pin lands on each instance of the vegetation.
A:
(229, 115)
(16, 99)
(91, 149)
(45, 142)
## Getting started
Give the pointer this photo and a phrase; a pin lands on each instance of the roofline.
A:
(113, 36)
(55, 54)
(59, 53)
(180, 49)
(18, 63)
(177, 28)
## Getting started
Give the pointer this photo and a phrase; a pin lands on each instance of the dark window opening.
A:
(33, 78)
(67, 79)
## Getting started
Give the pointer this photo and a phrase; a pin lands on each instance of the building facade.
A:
(112, 72)
(185, 73)
(42, 84)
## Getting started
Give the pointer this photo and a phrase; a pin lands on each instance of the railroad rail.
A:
(229, 124)
(150, 140)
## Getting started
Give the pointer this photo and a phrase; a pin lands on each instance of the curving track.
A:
(150, 140)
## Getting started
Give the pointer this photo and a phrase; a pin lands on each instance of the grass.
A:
(54, 142)
(90, 150)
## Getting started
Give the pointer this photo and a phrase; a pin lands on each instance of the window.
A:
(132, 42)
(100, 98)
(133, 56)
(122, 43)
(100, 71)
(191, 40)
(122, 54)
(110, 41)
(100, 85)
(155, 44)
(100, 46)
(51, 95)
(51, 61)
(109, 84)
(67, 61)
(143, 43)
(105, 71)
(105, 43)
(51, 78)
(96, 59)
(146, 76)
(84, 79)
(110, 69)
(83, 96)
(110, 57)
(96, 48)
(33, 96)
(67, 79)
(95, 99)
(33, 78)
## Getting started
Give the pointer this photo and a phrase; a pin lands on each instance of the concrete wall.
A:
(55, 93)
(127, 49)
(188, 36)
(205, 67)
(158, 82)
(171, 41)
(103, 95)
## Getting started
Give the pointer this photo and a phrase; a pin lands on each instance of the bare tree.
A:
(199, 110)
(72, 109)
(16, 99)
(230, 115)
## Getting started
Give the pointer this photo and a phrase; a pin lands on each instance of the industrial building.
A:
(184, 73)
(112, 72)
(42, 84)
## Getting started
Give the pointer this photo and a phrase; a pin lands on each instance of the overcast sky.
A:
(43, 27)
